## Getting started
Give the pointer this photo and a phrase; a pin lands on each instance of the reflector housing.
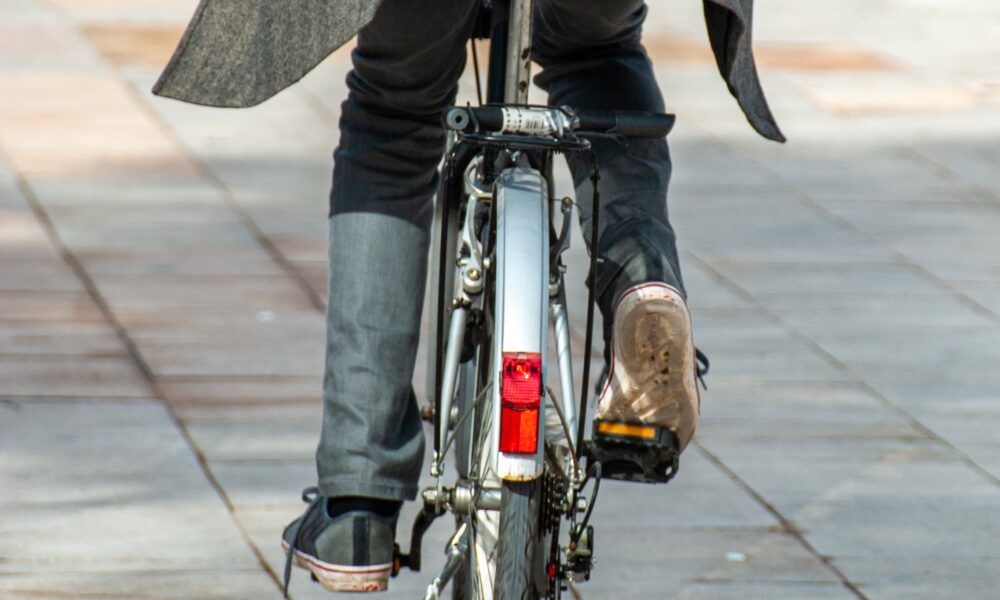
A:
(520, 399)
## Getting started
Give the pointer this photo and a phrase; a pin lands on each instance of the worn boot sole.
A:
(343, 578)
(652, 378)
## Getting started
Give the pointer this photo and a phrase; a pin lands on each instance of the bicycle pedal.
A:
(633, 451)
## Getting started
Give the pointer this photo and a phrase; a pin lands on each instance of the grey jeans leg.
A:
(406, 66)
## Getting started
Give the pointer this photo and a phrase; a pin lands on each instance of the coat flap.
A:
(238, 53)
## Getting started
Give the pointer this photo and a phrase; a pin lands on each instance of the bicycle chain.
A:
(553, 492)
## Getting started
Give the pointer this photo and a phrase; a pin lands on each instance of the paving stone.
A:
(704, 292)
(929, 589)
(124, 43)
(924, 578)
(771, 281)
(281, 440)
(137, 583)
(59, 338)
(263, 484)
(164, 323)
(39, 42)
(906, 483)
(821, 316)
(299, 223)
(234, 355)
(700, 496)
(701, 554)
(95, 120)
(923, 368)
(986, 295)
(189, 259)
(53, 445)
(783, 237)
(315, 275)
(112, 474)
(958, 426)
(751, 347)
(22, 238)
(48, 307)
(974, 162)
(833, 430)
(763, 591)
(153, 10)
(954, 268)
(37, 275)
(878, 96)
(694, 160)
(231, 397)
(802, 402)
(956, 528)
(166, 291)
(777, 451)
(75, 377)
(109, 228)
(118, 190)
(935, 234)
(300, 248)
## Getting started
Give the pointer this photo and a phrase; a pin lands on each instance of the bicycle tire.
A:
(504, 561)
(468, 582)
(519, 540)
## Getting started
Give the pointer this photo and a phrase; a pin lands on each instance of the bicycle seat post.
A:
(518, 63)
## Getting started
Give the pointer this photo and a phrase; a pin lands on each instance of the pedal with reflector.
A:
(633, 451)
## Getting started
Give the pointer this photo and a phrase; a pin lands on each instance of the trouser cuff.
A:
(338, 487)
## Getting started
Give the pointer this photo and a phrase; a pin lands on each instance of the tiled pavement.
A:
(162, 278)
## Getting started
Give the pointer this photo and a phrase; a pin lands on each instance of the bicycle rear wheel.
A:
(518, 556)
(506, 560)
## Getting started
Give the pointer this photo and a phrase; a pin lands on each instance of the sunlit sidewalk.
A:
(162, 284)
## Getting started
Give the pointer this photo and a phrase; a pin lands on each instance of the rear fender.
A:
(522, 293)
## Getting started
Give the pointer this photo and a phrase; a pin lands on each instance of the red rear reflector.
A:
(520, 399)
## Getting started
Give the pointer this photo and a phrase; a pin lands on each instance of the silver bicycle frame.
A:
(523, 243)
(526, 303)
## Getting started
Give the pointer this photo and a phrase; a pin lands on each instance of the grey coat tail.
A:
(239, 53)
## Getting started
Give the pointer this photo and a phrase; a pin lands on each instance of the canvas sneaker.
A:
(351, 552)
(652, 376)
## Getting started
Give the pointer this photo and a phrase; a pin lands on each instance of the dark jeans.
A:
(406, 66)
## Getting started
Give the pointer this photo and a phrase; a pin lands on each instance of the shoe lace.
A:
(701, 368)
(310, 496)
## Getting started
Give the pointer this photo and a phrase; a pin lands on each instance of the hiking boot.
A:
(349, 552)
(652, 376)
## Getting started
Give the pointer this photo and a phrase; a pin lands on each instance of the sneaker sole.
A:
(652, 379)
(343, 578)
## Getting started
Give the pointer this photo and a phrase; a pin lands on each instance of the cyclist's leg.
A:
(592, 58)
(406, 66)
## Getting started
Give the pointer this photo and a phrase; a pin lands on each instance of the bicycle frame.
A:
(526, 285)
(508, 81)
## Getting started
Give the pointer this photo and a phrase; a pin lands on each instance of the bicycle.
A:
(522, 465)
